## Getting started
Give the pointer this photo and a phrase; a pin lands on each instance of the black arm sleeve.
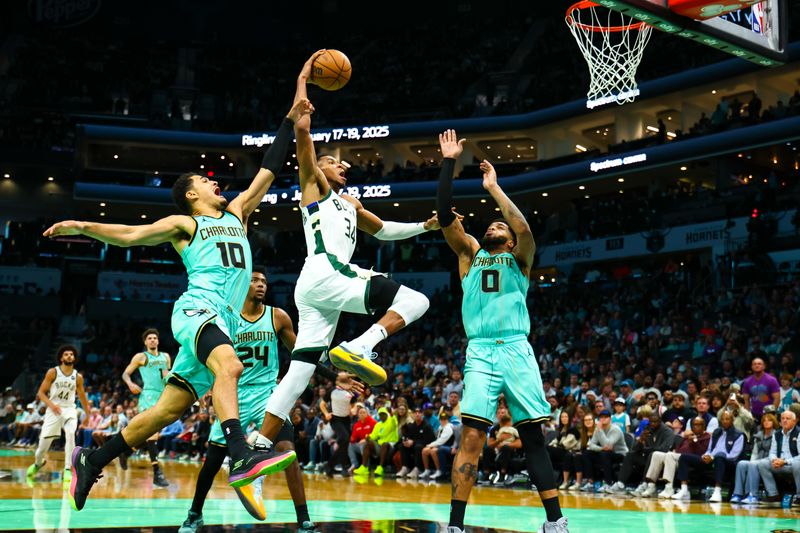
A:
(276, 155)
(325, 372)
(444, 194)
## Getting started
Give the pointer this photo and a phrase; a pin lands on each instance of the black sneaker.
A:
(192, 523)
(123, 461)
(158, 479)
(84, 475)
(771, 500)
(256, 464)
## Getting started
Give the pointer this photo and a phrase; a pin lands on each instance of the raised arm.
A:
(44, 389)
(313, 184)
(175, 229)
(140, 359)
(389, 231)
(464, 245)
(526, 247)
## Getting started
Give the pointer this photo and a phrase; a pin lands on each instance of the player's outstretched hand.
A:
(489, 175)
(305, 73)
(60, 229)
(450, 144)
(301, 108)
(346, 382)
(432, 224)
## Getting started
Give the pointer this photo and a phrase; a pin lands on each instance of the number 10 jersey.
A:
(495, 292)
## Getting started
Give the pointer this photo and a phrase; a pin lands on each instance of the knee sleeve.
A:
(409, 304)
(540, 469)
(290, 388)
(210, 337)
(382, 292)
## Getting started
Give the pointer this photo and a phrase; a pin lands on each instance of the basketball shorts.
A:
(324, 289)
(190, 315)
(252, 407)
(148, 398)
(506, 366)
(53, 423)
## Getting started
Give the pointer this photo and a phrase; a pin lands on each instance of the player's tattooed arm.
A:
(526, 246)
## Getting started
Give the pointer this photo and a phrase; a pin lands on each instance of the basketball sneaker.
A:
(159, 481)
(359, 362)
(34, 469)
(361, 471)
(256, 464)
(378, 471)
(251, 498)
(559, 526)
(192, 523)
(308, 527)
(84, 476)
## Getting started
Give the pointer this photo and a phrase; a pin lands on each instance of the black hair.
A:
(182, 185)
(150, 331)
(65, 348)
(261, 269)
(510, 229)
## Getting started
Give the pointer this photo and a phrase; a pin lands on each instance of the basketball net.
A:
(612, 45)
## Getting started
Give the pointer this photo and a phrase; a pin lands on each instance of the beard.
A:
(68, 363)
(493, 242)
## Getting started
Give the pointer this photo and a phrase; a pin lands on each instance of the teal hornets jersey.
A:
(495, 290)
(256, 345)
(152, 377)
(218, 260)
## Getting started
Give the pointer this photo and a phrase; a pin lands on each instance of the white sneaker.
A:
(559, 526)
(575, 486)
(682, 494)
(649, 491)
(606, 489)
(617, 488)
(716, 496)
(426, 474)
(668, 492)
(454, 529)
(587, 486)
(414, 474)
(436, 475)
(564, 485)
(640, 489)
(403, 472)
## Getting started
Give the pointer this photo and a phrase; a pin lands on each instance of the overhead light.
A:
(536, 212)
(488, 147)
(202, 166)
(714, 91)
(497, 209)
(483, 200)
(597, 131)
(671, 135)
(621, 191)
(294, 156)
(545, 194)
(580, 148)
(102, 204)
(652, 128)
(288, 163)
(295, 209)
(586, 196)
(621, 180)
(255, 223)
(296, 167)
(434, 211)
(102, 214)
(156, 172)
(202, 156)
(274, 218)
(774, 160)
(419, 151)
(518, 156)
(683, 168)
(552, 280)
(472, 214)
(222, 157)
(508, 146)
(258, 210)
(116, 156)
(581, 187)
(396, 204)
(143, 216)
(230, 164)
(498, 157)
(50, 178)
(669, 118)
(7, 176)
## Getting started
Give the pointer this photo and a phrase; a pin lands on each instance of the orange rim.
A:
(586, 4)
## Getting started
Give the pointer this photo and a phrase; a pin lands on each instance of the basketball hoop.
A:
(612, 45)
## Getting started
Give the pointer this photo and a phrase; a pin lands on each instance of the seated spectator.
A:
(582, 465)
(703, 407)
(107, 429)
(655, 437)
(742, 418)
(565, 441)
(788, 394)
(606, 449)
(414, 437)
(784, 458)
(380, 443)
(724, 448)
(507, 445)
(358, 436)
(663, 464)
(88, 426)
(747, 476)
(167, 435)
(678, 408)
(444, 437)
(7, 422)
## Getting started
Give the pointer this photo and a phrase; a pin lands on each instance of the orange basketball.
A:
(331, 71)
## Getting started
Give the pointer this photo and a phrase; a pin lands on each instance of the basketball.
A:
(331, 71)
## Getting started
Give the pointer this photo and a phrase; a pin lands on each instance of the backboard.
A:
(757, 33)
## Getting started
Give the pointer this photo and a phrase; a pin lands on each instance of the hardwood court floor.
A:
(128, 499)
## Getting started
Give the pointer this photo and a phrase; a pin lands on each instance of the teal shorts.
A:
(252, 407)
(148, 399)
(506, 366)
(190, 315)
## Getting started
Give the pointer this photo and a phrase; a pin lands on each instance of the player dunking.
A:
(211, 239)
(494, 277)
(257, 345)
(153, 367)
(57, 391)
(328, 284)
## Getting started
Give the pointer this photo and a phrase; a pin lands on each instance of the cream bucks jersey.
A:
(62, 390)
(330, 227)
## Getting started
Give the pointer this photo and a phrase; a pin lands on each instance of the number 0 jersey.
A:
(218, 260)
(256, 345)
(330, 227)
(62, 390)
(495, 290)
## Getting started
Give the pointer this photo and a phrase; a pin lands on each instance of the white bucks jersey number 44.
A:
(330, 226)
(62, 391)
